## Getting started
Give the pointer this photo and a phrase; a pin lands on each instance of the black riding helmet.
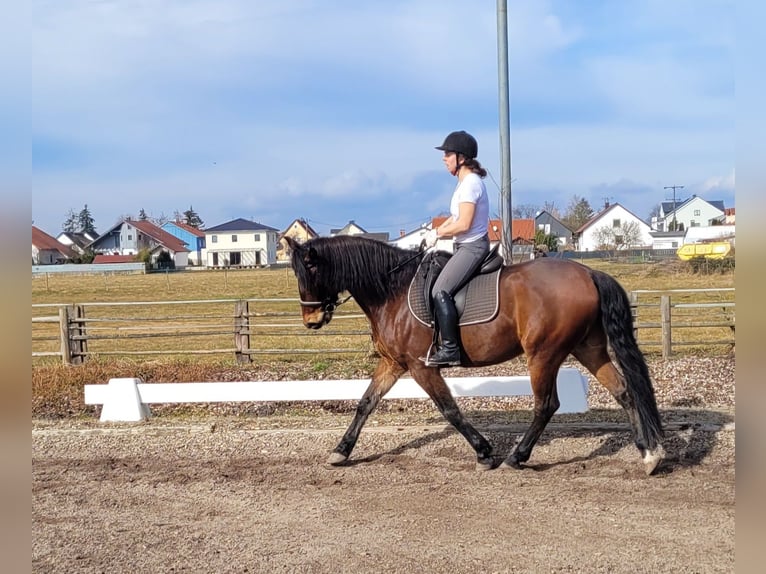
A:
(461, 142)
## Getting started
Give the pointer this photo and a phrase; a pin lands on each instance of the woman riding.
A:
(467, 225)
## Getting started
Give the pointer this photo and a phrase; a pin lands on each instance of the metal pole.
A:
(505, 129)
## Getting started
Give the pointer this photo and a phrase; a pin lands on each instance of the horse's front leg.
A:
(432, 382)
(386, 374)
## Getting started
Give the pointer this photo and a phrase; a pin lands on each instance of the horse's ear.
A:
(291, 243)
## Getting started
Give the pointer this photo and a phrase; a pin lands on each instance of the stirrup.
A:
(430, 362)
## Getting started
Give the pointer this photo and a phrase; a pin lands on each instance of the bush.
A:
(705, 266)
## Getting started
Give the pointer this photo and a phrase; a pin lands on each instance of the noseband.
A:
(328, 305)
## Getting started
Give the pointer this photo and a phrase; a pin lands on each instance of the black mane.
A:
(372, 271)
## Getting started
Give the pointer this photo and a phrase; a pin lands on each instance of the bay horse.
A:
(548, 308)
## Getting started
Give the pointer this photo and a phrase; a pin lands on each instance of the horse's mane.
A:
(365, 267)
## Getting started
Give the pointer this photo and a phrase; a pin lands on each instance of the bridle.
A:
(327, 305)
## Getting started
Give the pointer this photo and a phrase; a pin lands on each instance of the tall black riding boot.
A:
(448, 354)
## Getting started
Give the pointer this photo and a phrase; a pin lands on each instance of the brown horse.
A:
(548, 309)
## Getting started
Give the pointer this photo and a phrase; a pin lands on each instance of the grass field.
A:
(130, 313)
(57, 389)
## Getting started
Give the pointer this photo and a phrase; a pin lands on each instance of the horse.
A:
(549, 308)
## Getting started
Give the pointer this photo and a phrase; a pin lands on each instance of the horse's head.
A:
(318, 301)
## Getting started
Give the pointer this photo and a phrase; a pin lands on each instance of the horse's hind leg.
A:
(596, 359)
(434, 385)
(386, 374)
(542, 374)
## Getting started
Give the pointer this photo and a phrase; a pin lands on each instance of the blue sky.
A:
(330, 111)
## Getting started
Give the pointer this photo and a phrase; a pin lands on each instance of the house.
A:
(614, 227)
(691, 212)
(667, 239)
(47, 250)
(76, 240)
(241, 243)
(194, 239)
(130, 237)
(351, 228)
(299, 230)
(549, 225)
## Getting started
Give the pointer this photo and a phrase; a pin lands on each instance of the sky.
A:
(330, 110)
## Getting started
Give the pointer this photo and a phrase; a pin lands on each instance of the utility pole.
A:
(505, 129)
(674, 187)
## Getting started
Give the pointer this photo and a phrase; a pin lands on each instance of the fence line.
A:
(80, 331)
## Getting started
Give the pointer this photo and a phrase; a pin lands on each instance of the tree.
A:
(85, 221)
(524, 211)
(161, 220)
(578, 212)
(551, 208)
(70, 225)
(192, 219)
(551, 242)
(655, 212)
(625, 236)
(142, 215)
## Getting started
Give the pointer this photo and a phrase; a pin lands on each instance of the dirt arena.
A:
(229, 495)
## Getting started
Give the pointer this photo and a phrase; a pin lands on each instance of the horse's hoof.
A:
(505, 465)
(484, 464)
(336, 459)
(652, 459)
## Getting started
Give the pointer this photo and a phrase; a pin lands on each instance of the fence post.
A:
(633, 298)
(242, 331)
(667, 345)
(77, 335)
(66, 354)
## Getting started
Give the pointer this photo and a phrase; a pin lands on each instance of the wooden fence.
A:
(251, 327)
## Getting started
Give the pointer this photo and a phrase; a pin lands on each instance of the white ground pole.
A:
(128, 400)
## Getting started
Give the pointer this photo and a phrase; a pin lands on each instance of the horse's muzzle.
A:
(316, 318)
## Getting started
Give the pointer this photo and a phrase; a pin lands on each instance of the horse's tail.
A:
(618, 324)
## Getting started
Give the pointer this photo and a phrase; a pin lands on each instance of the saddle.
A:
(476, 302)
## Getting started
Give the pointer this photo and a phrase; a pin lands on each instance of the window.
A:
(696, 213)
(233, 238)
(615, 223)
(214, 239)
(130, 237)
(257, 237)
(693, 223)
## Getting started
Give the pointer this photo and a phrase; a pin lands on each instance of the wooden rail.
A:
(250, 327)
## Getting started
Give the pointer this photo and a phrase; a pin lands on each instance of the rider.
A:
(468, 226)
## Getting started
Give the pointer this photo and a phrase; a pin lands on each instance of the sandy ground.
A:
(229, 495)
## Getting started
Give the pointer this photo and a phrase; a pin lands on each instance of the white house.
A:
(691, 212)
(241, 243)
(621, 228)
(130, 237)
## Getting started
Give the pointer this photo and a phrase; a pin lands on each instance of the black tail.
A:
(618, 324)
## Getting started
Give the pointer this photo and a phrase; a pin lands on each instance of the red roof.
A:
(166, 239)
(42, 240)
(101, 258)
(189, 228)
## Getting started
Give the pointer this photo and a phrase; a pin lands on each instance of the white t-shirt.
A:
(471, 190)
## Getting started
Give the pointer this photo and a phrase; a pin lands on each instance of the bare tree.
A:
(525, 211)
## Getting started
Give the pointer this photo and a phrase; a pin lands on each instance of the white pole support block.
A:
(123, 402)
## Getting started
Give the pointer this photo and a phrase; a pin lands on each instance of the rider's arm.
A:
(452, 226)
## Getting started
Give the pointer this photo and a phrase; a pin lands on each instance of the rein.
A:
(403, 263)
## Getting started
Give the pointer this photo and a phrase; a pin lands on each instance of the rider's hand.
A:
(431, 238)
